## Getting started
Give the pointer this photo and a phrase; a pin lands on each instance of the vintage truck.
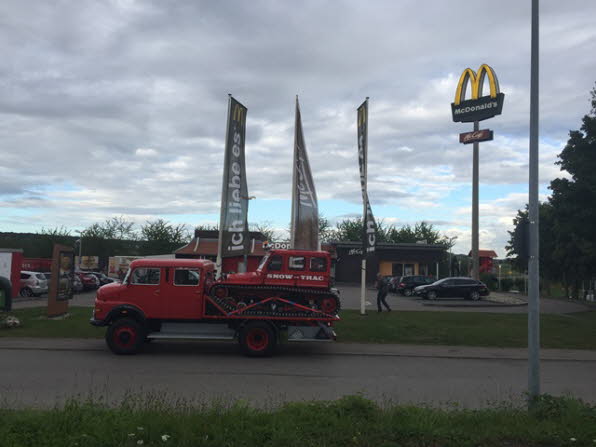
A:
(289, 295)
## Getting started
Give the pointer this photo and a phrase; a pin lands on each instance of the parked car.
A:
(33, 284)
(467, 288)
(103, 279)
(406, 284)
(90, 282)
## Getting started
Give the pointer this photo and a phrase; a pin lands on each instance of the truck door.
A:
(185, 293)
(145, 290)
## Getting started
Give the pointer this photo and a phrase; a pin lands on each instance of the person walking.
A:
(382, 290)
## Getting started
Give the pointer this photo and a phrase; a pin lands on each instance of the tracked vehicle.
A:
(297, 276)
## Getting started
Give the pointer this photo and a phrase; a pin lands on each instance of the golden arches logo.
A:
(477, 81)
(238, 113)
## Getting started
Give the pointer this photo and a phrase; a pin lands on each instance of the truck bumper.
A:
(94, 322)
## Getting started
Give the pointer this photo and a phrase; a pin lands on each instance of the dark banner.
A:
(305, 208)
(234, 214)
(369, 225)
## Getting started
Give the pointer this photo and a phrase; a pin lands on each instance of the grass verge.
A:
(568, 331)
(350, 421)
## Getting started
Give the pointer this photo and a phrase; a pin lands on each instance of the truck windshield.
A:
(263, 262)
(125, 280)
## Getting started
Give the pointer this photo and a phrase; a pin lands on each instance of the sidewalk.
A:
(348, 349)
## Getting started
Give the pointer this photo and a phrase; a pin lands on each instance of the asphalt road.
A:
(46, 372)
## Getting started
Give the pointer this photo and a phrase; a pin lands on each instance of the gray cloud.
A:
(86, 84)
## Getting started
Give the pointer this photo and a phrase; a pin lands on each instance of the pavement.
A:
(350, 299)
(46, 372)
(496, 302)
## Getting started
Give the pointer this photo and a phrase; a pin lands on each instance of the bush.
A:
(490, 280)
(520, 285)
(506, 284)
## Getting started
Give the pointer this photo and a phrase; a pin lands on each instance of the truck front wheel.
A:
(258, 339)
(125, 336)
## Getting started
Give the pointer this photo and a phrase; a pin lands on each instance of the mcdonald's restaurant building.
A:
(388, 259)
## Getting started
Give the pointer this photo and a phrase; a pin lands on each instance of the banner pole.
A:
(293, 221)
(364, 216)
(218, 262)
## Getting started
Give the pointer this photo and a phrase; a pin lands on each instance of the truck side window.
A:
(145, 276)
(275, 263)
(186, 277)
(318, 264)
(296, 263)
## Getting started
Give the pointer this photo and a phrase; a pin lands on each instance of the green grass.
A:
(350, 421)
(37, 324)
(569, 331)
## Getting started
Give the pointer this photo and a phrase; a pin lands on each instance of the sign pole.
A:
(475, 168)
(224, 182)
(533, 214)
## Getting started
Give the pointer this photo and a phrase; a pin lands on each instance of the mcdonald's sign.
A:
(478, 107)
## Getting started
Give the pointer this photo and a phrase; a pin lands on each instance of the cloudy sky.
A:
(112, 108)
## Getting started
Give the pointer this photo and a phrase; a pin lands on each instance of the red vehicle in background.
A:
(90, 282)
(288, 296)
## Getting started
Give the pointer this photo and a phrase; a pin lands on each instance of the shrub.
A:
(490, 280)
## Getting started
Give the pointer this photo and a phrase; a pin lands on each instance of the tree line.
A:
(566, 219)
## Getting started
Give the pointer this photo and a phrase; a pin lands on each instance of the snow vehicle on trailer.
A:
(179, 299)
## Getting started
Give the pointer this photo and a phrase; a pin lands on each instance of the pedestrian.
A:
(382, 288)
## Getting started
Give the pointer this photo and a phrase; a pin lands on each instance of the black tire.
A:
(258, 339)
(475, 295)
(431, 295)
(407, 292)
(26, 291)
(125, 336)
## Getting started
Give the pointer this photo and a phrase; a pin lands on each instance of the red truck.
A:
(288, 296)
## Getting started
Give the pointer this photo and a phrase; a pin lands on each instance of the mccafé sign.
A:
(478, 107)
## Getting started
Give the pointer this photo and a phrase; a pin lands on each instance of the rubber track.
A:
(299, 290)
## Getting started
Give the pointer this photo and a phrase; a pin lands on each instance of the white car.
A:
(33, 284)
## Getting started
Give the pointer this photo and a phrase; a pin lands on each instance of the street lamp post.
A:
(80, 242)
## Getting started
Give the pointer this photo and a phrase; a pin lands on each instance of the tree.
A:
(112, 228)
(160, 230)
(567, 240)
(55, 232)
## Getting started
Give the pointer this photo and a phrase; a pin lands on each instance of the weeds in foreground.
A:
(350, 421)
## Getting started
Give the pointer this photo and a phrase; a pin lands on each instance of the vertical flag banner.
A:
(305, 209)
(369, 237)
(233, 225)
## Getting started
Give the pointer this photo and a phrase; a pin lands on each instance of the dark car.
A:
(467, 288)
(406, 284)
(103, 279)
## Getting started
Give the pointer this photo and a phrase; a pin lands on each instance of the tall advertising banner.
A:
(369, 237)
(233, 225)
(305, 208)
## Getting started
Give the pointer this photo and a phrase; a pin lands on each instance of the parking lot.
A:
(350, 299)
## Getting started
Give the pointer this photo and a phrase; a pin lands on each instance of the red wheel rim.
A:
(125, 336)
(257, 339)
(328, 305)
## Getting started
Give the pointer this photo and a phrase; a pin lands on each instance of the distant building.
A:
(486, 260)
(389, 259)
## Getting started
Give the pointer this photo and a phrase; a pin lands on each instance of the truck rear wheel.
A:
(125, 336)
(258, 339)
